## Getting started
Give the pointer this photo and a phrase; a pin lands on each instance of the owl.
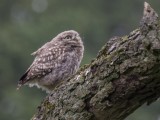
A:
(54, 62)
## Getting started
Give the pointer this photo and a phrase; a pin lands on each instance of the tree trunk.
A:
(124, 75)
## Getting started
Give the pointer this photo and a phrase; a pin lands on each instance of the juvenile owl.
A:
(54, 62)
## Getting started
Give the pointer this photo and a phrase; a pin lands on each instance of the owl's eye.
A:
(68, 37)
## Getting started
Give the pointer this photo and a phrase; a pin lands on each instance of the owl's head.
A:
(70, 36)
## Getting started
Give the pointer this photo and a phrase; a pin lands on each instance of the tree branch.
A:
(124, 75)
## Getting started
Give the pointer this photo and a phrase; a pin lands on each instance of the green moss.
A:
(112, 76)
(48, 106)
(125, 38)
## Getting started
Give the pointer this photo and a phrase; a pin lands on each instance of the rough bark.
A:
(124, 75)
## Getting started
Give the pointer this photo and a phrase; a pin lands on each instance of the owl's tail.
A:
(22, 80)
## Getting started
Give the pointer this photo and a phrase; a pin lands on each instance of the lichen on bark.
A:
(124, 75)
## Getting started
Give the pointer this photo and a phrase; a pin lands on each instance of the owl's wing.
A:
(43, 63)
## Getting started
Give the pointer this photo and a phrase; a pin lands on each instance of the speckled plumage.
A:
(55, 61)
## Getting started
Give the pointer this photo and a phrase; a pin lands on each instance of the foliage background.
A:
(25, 25)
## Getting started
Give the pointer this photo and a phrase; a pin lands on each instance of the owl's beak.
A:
(76, 37)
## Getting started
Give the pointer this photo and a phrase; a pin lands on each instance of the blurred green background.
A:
(26, 25)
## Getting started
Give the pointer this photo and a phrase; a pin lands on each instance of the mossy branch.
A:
(124, 75)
